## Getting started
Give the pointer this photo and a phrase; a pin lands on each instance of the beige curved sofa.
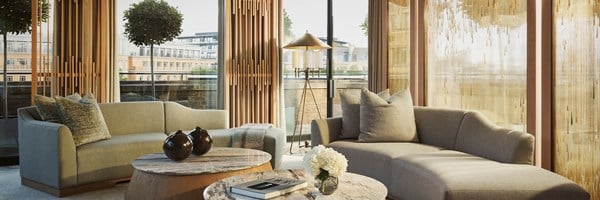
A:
(49, 160)
(460, 155)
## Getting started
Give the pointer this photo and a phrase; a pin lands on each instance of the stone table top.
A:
(218, 159)
(351, 186)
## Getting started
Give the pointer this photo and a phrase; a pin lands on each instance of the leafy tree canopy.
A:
(365, 26)
(152, 22)
(15, 15)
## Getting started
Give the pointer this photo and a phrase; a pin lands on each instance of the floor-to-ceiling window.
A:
(301, 16)
(576, 89)
(186, 69)
(18, 78)
(476, 57)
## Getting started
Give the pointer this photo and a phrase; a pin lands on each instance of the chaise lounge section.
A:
(460, 155)
(50, 161)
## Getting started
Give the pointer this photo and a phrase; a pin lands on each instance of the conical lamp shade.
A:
(307, 42)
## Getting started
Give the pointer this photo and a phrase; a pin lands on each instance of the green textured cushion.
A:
(47, 108)
(83, 118)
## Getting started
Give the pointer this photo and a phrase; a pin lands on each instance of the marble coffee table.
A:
(351, 186)
(158, 177)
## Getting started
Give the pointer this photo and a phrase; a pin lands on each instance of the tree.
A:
(15, 18)
(288, 35)
(152, 22)
(365, 26)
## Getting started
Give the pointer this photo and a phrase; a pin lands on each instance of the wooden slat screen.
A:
(252, 73)
(83, 53)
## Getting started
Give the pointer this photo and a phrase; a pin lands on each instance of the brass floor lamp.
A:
(306, 42)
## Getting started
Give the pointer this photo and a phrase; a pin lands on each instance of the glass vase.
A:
(327, 186)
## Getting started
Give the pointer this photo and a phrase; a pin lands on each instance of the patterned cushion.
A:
(83, 118)
(47, 108)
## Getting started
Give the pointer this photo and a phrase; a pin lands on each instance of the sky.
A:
(311, 15)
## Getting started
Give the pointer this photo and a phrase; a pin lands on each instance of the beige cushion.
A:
(351, 113)
(47, 108)
(381, 121)
(83, 118)
(134, 117)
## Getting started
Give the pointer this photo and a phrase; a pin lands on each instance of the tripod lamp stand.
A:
(306, 42)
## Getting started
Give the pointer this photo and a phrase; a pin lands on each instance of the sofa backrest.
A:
(471, 132)
(479, 136)
(438, 126)
(134, 117)
(178, 117)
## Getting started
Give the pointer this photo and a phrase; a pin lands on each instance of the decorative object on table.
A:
(250, 136)
(201, 140)
(268, 188)
(326, 165)
(177, 146)
(306, 42)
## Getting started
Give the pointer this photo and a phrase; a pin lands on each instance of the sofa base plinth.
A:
(72, 190)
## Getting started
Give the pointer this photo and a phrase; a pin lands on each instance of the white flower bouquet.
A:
(324, 162)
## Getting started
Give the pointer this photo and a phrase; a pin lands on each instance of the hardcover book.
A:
(268, 188)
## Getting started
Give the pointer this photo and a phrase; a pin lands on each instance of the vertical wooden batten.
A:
(252, 61)
(83, 50)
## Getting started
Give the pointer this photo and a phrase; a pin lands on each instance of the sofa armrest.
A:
(479, 136)
(324, 131)
(274, 144)
(47, 153)
(178, 117)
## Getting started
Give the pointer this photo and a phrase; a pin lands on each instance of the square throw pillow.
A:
(83, 118)
(47, 108)
(383, 121)
(351, 113)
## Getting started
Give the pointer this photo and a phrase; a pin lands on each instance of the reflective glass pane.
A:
(576, 87)
(301, 16)
(185, 69)
(476, 57)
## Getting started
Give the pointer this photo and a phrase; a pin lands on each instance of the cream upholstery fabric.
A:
(428, 121)
(83, 118)
(376, 162)
(351, 113)
(122, 150)
(381, 121)
(457, 175)
(479, 136)
(178, 117)
(134, 117)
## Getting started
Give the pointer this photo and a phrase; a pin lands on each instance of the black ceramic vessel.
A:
(177, 146)
(201, 140)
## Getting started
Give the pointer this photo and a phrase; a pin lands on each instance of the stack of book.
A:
(268, 188)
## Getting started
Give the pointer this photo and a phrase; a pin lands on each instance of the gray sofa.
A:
(49, 160)
(460, 155)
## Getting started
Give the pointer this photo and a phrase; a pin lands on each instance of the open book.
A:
(268, 188)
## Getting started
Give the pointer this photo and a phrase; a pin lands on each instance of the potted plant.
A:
(149, 23)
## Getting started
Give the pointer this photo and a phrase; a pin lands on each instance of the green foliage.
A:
(365, 26)
(15, 15)
(287, 26)
(152, 22)
(203, 71)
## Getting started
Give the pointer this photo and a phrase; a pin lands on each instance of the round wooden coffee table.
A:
(158, 177)
(351, 186)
